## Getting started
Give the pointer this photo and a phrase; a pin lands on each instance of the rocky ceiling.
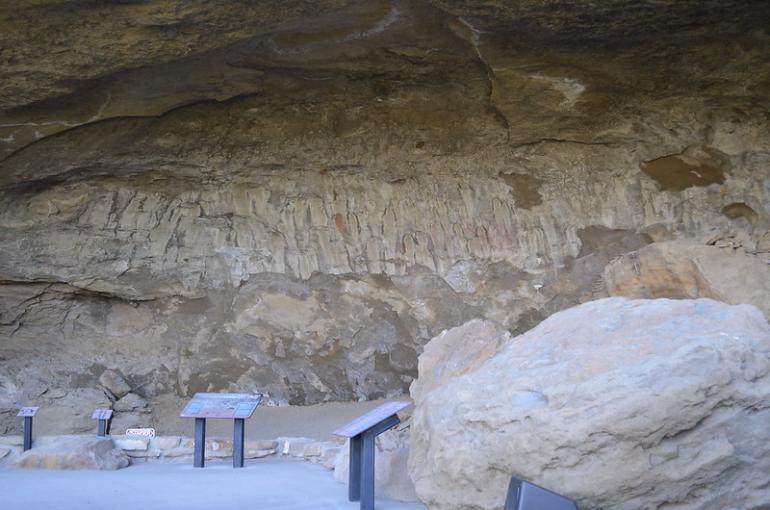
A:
(68, 63)
(294, 196)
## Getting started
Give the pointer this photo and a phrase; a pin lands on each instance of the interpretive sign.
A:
(145, 432)
(362, 432)
(222, 405)
(370, 419)
(102, 414)
(524, 495)
(105, 418)
(234, 406)
(28, 412)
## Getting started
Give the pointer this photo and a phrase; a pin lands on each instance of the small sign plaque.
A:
(145, 432)
(102, 414)
(222, 405)
(371, 418)
(28, 412)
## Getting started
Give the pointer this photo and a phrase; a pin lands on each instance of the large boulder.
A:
(74, 452)
(620, 404)
(450, 354)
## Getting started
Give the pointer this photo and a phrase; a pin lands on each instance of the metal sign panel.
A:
(222, 405)
(102, 414)
(28, 412)
(524, 495)
(371, 418)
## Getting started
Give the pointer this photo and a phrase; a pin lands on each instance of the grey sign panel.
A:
(222, 405)
(28, 412)
(102, 414)
(523, 495)
(370, 419)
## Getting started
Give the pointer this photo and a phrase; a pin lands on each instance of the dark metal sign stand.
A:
(239, 430)
(362, 432)
(105, 420)
(523, 495)
(28, 413)
(235, 406)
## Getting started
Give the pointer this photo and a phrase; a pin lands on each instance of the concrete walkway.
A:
(266, 484)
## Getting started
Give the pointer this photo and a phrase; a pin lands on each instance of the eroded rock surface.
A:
(723, 270)
(294, 197)
(619, 404)
(73, 452)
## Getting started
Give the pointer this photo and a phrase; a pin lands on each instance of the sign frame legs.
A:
(354, 469)
(361, 466)
(103, 429)
(200, 443)
(27, 433)
(239, 427)
(367, 471)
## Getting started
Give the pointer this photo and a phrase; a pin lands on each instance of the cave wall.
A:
(294, 199)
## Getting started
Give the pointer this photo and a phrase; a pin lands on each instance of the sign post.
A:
(28, 413)
(105, 419)
(362, 432)
(234, 406)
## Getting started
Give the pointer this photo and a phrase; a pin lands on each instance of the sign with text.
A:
(28, 412)
(371, 418)
(145, 432)
(222, 405)
(102, 414)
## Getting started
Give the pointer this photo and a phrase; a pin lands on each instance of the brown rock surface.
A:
(294, 197)
(683, 269)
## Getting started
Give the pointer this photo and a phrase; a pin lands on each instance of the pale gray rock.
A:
(165, 442)
(131, 402)
(131, 443)
(113, 382)
(299, 446)
(147, 454)
(253, 453)
(457, 351)
(12, 440)
(74, 452)
(619, 404)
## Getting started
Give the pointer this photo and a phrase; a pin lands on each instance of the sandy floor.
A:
(263, 484)
(316, 422)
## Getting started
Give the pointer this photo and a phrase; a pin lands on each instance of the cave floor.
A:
(261, 484)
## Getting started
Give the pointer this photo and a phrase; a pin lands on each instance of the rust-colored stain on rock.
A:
(339, 221)
(740, 210)
(696, 166)
(525, 189)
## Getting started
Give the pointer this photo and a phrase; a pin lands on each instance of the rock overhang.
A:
(297, 196)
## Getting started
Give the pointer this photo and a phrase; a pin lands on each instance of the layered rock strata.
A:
(294, 199)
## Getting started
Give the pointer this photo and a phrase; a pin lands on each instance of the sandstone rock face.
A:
(455, 352)
(620, 404)
(724, 270)
(321, 194)
(114, 383)
(74, 452)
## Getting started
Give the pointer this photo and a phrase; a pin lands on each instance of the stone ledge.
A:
(180, 448)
